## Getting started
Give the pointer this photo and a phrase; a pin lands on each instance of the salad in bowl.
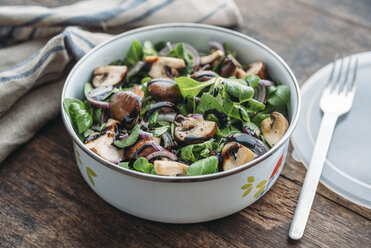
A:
(171, 110)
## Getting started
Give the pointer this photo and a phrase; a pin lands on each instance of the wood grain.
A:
(44, 201)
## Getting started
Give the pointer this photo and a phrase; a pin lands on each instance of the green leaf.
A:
(280, 96)
(158, 131)
(153, 119)
(238, 90)
(207, 102)
(79, 113)
(180, 51)
(124, 164)
(254, 106)
(97, 114)
(228, 50)
(259, 117)
(160, 45)
(129, 140)
(87, 88)
(134, 54)
(202, 167)
(148, 49)
(142, 165)
(191, 87)
(192, 153)
(253, 80)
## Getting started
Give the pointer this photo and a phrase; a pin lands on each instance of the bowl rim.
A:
(184, 179)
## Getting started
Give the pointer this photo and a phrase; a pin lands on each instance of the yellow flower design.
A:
(248, 187)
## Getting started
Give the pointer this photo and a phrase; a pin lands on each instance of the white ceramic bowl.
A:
(181, 199)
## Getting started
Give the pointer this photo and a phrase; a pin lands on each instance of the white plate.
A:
(347, 169)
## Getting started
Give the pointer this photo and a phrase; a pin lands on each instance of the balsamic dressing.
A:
(223, 118)
(157, 106)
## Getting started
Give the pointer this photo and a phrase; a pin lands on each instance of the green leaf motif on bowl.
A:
(90, 173)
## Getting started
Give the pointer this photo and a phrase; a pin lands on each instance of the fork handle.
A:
(313, 175)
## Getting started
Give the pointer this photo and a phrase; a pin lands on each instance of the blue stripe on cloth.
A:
(76, 51)
(99, 17)
(36, 66)
(36, 19)
(26, 61)
(147, 13)
(32, 34)
(212, 13)
(88, 42)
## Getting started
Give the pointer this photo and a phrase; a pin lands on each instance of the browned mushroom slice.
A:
(108, 75)
(231, 67)
(103, 144)
(141, 148)
(125, 106)
(235, 154)
(258, 69)
(203, 76)
(164, 67)
(170, 168)
(190, 130)
(211, 57)
(164, 89)
(274, 127)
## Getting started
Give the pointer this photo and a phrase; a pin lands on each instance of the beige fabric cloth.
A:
(32, 73)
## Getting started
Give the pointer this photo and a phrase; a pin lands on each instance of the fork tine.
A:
(344, 85)
(332, 70)
(336, 84)
(352, 84)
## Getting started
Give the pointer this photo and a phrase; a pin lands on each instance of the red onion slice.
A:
(100, 93)
(216, 45)
(120, 160)
(260, 93)
(168, 141)
(266, 82)
(167, 154)
(157, 146)
(167, 116)
(123, 136)
(145, 135)
(135, 68)
(98, 103)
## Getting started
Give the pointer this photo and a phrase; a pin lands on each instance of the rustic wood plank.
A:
(305, 38)
(356, 12)
(44, 201)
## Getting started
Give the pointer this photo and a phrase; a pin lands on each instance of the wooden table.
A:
(44, 201)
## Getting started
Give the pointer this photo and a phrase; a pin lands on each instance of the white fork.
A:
(336, 100)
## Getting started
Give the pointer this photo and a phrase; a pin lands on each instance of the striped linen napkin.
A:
(38, 47)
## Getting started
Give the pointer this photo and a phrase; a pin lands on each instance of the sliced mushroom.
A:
(125, 106)
(141, 148)
(170, 168)
(109, 75)
(164, 67)
(274, 127)
(231, 67)
(235, 154)
(203, 76)
(190, 130)
(258, 69)
(103, 144)
(164, 89)
(256, 145)
(211, 57)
